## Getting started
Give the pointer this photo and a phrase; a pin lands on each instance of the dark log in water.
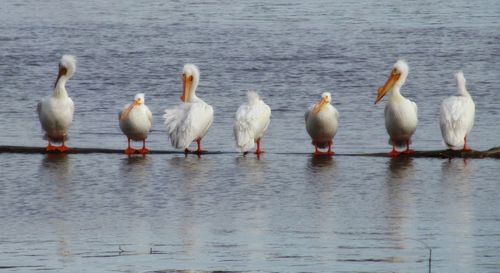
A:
(491, 153)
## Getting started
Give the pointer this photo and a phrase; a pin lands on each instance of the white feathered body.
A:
(187, 122)
(252, 120)
(322, 126)
(138, 122)
(56, 115)
(401, 119)
(457, 116)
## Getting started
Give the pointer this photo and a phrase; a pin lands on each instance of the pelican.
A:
(190, 120)
(400, 113)
(252, 120)
(55, 112)
(457, 116)
(135, 122)
(322, 120)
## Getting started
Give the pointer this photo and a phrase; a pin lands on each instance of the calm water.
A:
(282, 213)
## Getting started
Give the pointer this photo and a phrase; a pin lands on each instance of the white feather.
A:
(138, 122)
(190, 120)
(457, 116)
(322, 126)
(252, 120)
(400, 113)
(55, 112)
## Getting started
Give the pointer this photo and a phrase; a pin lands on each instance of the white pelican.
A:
(322, 120)
(457, 117)
(190, 120)
(56, 111)
(400, 113)
(252, 120)
(135, 122)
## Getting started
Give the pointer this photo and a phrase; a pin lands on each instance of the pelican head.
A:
(326, 97)
(396, 79)
(138, 100)
(190, 77)
(67, 67)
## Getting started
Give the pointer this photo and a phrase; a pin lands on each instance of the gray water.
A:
(284, 212)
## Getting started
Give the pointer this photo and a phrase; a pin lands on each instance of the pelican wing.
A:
(187, 122)
(456, 120)
(251, 123)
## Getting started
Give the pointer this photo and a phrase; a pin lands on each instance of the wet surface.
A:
(224, 212)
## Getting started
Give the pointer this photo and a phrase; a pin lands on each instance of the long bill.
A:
(186, 87)
(62, 72)
(389, 84)
(131, 106)
(319, 105)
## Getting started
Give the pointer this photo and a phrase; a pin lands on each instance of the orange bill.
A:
(318, 106)
(62, 72)
(393, 78)
(126, 112)
(186, 87)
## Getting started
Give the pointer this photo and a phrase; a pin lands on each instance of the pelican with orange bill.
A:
(190, 120)
(55, 112)
(135, 122)
(322, 121)
(400, 113)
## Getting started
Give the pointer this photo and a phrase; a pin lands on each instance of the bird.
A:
(55, 112)
(401, 114)
(322, 121)
(457, 116)
(252, 120)
(190, 120)
(135, 122)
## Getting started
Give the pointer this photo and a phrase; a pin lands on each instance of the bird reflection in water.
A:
(57, 169)
(458, 210)
(321, 163)
(399, 200)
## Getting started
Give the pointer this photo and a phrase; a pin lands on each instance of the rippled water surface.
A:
(284, 212)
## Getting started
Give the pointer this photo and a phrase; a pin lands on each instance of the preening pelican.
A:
(135, 122)
(400, 113)
(55, 112)
(457, 116)
(252, 120)
(190, 120)
(322, 120)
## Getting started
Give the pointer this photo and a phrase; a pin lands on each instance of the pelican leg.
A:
(63, 148)
(50, 147)
(466, 148)
(199, 151)
(393, 152)
(330, 152)
(129, 149)
(144, 150)
(316, 151)
(258, 151)
(408, 150)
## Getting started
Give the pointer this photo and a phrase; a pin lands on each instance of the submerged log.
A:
(491, 153)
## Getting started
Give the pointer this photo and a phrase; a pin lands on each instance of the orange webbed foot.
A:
(144, 151)
(409, 152)
(394, 153)
(129, 151)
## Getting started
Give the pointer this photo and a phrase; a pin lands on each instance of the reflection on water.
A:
(321, 163)
(57, 170)
(399, 200)
(457, 193)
